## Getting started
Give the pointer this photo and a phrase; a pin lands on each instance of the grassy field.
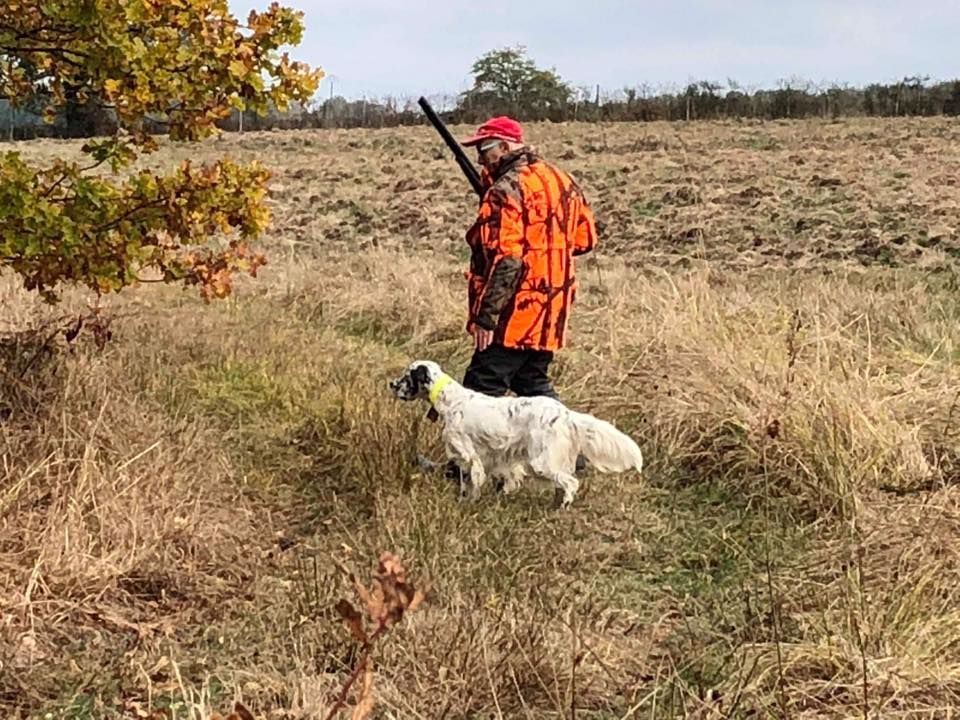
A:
(774, 314)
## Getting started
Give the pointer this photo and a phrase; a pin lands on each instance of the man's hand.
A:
(483, 338)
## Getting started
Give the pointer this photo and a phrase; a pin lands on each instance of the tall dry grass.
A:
(150, 483)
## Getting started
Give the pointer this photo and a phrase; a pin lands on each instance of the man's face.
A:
(489, 152)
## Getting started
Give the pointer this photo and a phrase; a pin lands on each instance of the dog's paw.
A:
(427, 465)
(505, 486)
(468, 493)
(562, 500)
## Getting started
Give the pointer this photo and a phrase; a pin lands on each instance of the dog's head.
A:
(416, 381)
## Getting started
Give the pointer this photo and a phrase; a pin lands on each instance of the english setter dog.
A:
(510, 437)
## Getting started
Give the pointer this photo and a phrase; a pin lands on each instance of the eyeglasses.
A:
(488, 145)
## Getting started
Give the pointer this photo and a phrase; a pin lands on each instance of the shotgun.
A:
(462, 160)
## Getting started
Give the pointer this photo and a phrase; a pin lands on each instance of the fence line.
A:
(696, 101)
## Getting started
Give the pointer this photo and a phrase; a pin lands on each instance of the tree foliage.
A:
(506, 81)
(183, 63)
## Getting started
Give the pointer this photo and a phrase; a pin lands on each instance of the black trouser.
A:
(499, 369)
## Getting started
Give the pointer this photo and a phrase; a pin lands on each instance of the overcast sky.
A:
(413, 47)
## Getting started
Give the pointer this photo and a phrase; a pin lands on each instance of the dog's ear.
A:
(420, 377)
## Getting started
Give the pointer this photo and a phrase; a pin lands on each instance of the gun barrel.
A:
(462, 160)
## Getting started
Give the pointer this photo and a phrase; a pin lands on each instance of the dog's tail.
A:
(607, 449)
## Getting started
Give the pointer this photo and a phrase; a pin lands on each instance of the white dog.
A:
(510, 437)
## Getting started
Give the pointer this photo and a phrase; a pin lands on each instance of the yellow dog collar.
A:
(438, 387)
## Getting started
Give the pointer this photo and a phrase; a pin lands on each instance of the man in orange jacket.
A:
(532, 221)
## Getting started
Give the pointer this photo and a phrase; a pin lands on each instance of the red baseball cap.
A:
(501, 128)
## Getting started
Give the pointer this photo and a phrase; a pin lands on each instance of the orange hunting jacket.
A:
(533, 220)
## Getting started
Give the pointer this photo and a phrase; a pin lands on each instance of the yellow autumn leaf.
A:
(239, 69)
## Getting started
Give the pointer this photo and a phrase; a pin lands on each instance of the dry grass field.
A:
(774, 314)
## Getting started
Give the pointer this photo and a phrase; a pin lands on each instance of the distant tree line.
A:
(506, 81)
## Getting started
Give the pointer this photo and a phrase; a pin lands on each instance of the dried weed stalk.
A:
(772, 433)
(239, 713)
(388, 598)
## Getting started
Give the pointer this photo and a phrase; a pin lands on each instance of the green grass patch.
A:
(239, 390)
